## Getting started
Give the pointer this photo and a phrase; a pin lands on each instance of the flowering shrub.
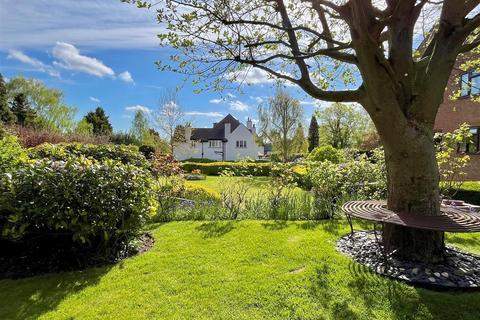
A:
(96, 205)
(164, 165)
(64, 151)
(333, 184)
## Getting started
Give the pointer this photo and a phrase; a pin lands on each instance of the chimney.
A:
(249, 124)
(188, 133)
(254, 129)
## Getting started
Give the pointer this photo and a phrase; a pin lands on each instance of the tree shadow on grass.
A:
(464, 240)
(215, 229)
(408, 302)
(29, 298)
(275, 225)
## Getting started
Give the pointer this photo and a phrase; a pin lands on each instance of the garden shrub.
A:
(199, 160)
(326, 152)
(333, 184)
(94, 207)
(238, 168)
(11, 154)
(64, 151)
(164, 165)
(147, 151)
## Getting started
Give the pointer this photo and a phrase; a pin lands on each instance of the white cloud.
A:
(94, 99)
(238, 105)
(71, 59)
(231, 95)
(204, 114)
(308, 103)
(37, 64)
(36, 24)
(138, 107)
(215, 101)
(126, 76)
(257, 99)
(255, 76)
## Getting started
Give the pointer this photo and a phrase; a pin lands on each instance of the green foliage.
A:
(24, 114)
(279, 121)
(99, 120)
(64, 151)
(147, 151)
(11, 154)
(52, 113)
(357, 179)
(313, 134)
(326, 153)
(83, 127)
(342, 125)
(451, 164)
(125, 138)
(6, 115)
(99, 205)
(216, 168)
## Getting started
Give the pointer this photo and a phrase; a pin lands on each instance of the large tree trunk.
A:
(412, 188)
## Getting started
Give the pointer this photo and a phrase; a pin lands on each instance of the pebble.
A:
(459, 270)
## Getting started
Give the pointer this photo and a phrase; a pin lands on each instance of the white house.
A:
(227, 140)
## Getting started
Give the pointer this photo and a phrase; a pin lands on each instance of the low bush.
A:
(147, 151)
(11, 154)
(164, 165)
(199, 160)
(468, 192)
(326, 152)
(93, 208)
(64, 151)
(32, 137)
(238, 168)
(333, 184)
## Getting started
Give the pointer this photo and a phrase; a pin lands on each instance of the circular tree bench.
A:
(450, 219)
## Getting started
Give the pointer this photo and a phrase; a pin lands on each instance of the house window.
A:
(241, 144)
(470, 84)
(474, 145)
(214, 144)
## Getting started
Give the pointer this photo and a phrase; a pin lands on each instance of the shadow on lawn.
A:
(408, 302)
(215, 229)
(35, 296)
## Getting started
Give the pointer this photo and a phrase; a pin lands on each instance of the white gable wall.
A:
(234, 153)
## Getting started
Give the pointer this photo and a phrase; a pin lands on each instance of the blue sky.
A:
(103, 53)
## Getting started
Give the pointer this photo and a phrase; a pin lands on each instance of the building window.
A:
(214, 144)
(241, 144)
(474, 145)
(470, 84)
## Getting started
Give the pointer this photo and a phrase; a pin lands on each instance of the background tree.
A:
(299, 141)
(341, 125)
(140, 127)
(6, 115)
(52, 112)
(370, 46)
(168, 117)
(279, 120)
(99, 121)
(313, 134)
(22, 111)
(84, 127)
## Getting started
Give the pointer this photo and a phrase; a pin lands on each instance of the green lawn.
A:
(234, 270)
(256, 184)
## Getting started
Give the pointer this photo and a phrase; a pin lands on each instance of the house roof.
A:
(217, 132)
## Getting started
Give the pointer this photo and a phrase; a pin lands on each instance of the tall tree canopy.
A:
(368, 44)
(52, 112)
(99, 121)
(6, 115)
(313, 134)
(279, 120)
(22, 111)
(342, 125)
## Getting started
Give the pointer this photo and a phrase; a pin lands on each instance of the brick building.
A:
(453, 113)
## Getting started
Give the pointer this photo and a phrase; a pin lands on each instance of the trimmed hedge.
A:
(64, 151)
(240, 168)
(98, 206)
